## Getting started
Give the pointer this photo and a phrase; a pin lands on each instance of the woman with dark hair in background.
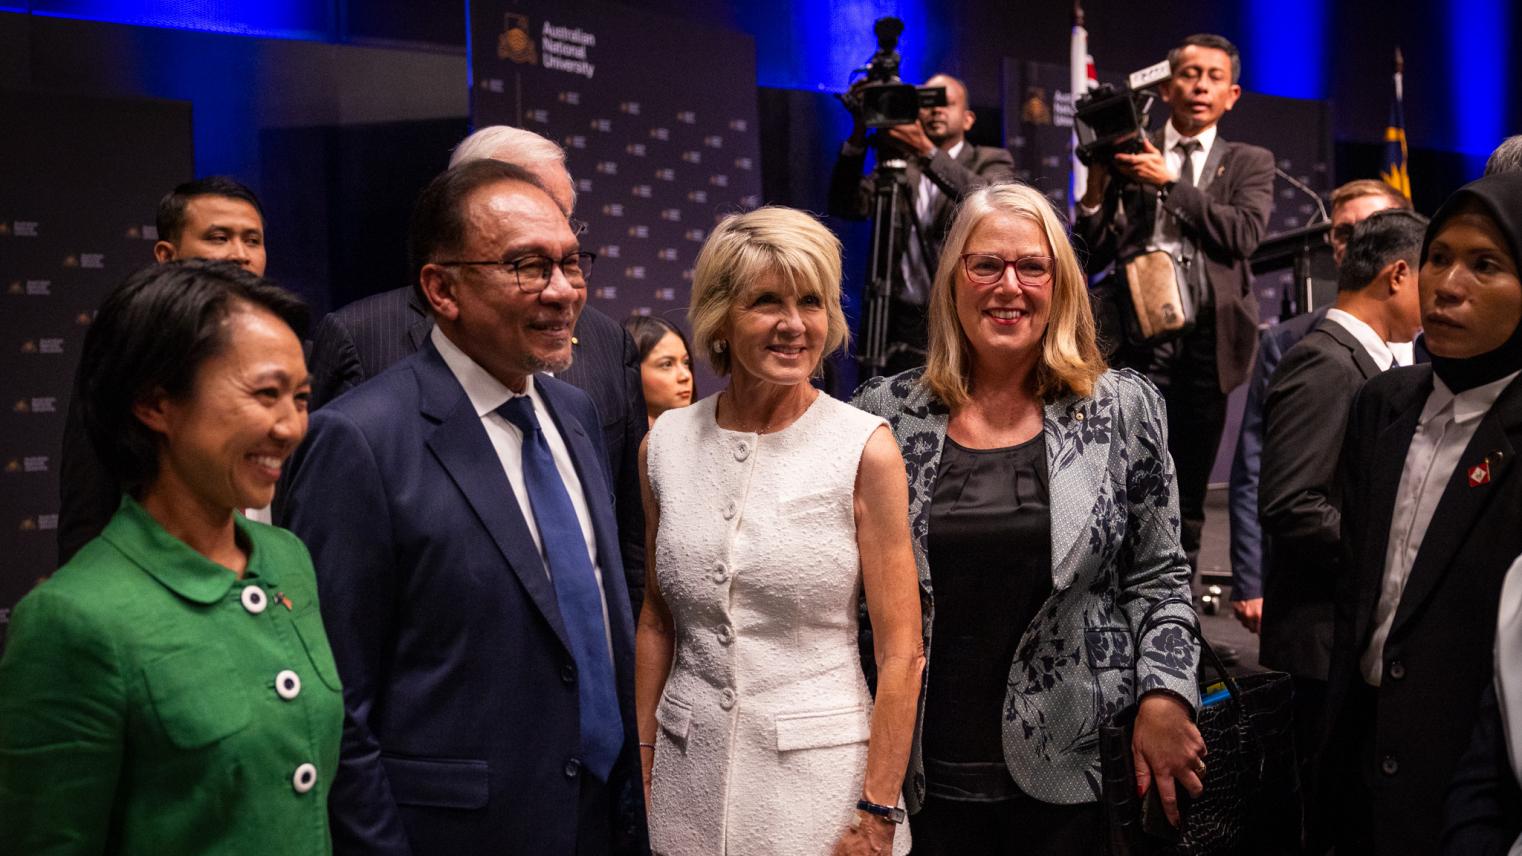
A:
(1045, 519)
(171, 687)
(665, 363)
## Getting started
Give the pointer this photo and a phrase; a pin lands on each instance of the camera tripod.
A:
(892, 218)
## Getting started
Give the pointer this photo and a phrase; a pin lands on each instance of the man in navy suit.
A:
(460, 517)
(364, 338)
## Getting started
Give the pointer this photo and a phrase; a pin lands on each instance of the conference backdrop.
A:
(83, 177)
(658, 119)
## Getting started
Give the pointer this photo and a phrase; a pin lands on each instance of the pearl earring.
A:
(719, 345)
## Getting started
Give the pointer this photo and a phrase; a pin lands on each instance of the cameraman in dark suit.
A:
(942, 168)
(1206, 200)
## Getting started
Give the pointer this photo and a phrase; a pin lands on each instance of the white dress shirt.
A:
(486, 394)
(1166, 233)
(918, 272)
(1447, 424)
(1376, 347)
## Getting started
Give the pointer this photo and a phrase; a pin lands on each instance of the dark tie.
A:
(565, 548)
(1186, 169)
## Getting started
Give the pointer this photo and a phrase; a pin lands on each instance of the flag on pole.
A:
(1395, 173)
(1081, 78)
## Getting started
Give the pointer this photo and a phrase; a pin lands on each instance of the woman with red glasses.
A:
(1044, 516)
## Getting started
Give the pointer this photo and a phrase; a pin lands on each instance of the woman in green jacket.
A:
(171, 689)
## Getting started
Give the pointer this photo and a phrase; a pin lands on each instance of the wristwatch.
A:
(891, 814)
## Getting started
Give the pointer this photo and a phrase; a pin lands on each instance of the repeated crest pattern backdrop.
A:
(658, 119)
(58, 259)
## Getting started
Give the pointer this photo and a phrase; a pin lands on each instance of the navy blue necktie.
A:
(576, 591)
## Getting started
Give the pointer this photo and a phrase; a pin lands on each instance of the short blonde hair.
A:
(1070, 360)
(744, 247)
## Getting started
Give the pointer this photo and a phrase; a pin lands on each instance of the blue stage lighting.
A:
(1478, 44)
(1285, 53)
(280, 19)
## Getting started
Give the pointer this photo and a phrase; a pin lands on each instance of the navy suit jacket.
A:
(462, 726)
(366, 337)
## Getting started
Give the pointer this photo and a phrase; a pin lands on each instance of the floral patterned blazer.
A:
(1116, 561)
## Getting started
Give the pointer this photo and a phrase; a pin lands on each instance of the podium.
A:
(1307, 253)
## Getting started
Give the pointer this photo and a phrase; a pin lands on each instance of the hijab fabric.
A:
(1500, 198)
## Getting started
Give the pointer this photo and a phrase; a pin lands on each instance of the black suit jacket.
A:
(1438, 657)
(973, 167)
(366, 337)
(1484, 812)
(1299, 500)
(462, 732)
(1224, 218)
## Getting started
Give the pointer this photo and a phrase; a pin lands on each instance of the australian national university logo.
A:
(560, 48)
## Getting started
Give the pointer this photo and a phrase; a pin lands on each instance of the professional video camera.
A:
(886, 100)
(1112, 120)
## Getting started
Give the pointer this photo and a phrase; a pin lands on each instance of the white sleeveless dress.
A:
(762, 744)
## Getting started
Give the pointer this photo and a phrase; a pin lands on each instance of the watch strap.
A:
(892, 814)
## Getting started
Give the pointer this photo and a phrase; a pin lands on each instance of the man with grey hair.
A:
(364, 338)
(1507, 157)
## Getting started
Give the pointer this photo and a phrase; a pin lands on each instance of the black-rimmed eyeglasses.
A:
(532, 273)
(987, 269)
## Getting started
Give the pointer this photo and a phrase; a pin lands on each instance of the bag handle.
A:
(1150, 623)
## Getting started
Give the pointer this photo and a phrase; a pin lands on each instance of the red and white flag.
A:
(1081, 78)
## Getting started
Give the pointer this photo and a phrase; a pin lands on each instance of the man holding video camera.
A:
(1204, 201)
(942, 168)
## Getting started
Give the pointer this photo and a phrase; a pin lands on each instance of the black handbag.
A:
(1251, 801)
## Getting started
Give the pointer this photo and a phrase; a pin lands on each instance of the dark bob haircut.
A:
(1382, 239)
(438, 218)
(171, 216)
(649, 330)
(153, 333)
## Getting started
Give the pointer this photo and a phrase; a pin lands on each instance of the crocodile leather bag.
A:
(1251, 801)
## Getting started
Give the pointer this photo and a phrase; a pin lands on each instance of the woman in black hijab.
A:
(1484, 811)
(1431, 520)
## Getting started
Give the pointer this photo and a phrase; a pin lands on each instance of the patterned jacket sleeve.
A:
(1154, 574)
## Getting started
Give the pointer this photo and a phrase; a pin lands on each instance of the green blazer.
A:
(151, 702)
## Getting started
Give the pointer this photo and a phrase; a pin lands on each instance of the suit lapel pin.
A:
(284, 601)
(1480, 474)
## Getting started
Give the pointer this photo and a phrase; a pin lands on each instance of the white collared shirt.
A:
(1376, 347)
(486, 394)
(1166, 234)
(917, 272)
(1446, 426)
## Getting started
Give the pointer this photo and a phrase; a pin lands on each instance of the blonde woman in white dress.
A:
(771, 510)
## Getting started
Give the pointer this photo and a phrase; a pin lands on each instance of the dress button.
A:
(572, 768)
(720, 574)
(1397, 670)
(1389, 766)
(726, 634)
(727, 698)
(729, 510)
(305, 778)
(254, 599)
(568, 673)
(288, 685)
(742, 450)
